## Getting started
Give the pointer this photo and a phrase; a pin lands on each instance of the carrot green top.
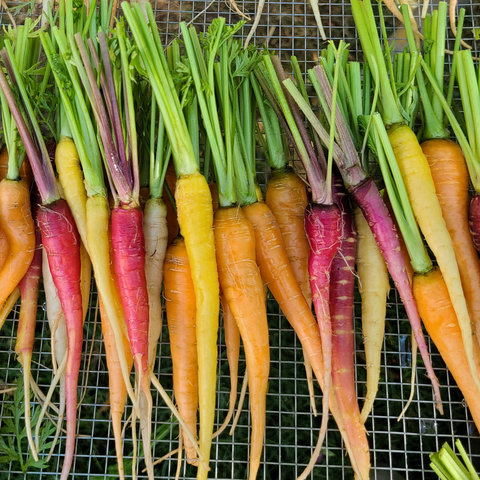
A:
(25, 50)
(374, 55)
(150, 49)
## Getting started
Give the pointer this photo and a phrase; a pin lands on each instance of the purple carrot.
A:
(61, 241)
(342, 286)
(474, 217)
(368, 198)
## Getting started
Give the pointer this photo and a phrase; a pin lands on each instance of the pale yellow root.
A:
(374, 286)
(8, 305)
(240, 403)
(71, 179)
(46, 404)
(61, 416)
(25, 360)
(412, 382)
(8, 390)
(258, 15)
(53, 332)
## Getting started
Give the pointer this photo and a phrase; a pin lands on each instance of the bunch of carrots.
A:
(139, 164)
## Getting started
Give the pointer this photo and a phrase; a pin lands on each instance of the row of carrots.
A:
(124, 115)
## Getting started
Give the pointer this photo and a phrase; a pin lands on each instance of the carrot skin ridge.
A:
(17, 224)
(62, 243)
(342, 287)
(181, 309)
(368, 198)
(243, 288)
(442, 325)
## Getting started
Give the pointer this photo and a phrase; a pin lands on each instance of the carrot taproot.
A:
(62, 244)
(373, 285)
(232, 338)
(156, 238)
(181, 311)
(232, 344)
(243, 288)
(117, 387)
(287, 198)
(440, 320)
(277, 272)
(71, 178)
(17, 224)
(4, 247)
(450, 176)
(342, 286)
(27, 321)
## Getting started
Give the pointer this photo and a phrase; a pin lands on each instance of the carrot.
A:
(442, 325)
(26, 323)
(450, 176)
(4, 247)
(242, 286)
(232, 343)
(342, 281)
(374, 285)
(17, 224)
(421, 191)
(275, 267)
(25, 172)
(232, 338)
(116, 384)
(181, 312)
(287, 198)
(156, 238)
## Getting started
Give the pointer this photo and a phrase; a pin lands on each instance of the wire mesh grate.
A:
(399, 450)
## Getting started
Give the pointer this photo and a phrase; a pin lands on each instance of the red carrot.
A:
(128, 243)
(342, 286)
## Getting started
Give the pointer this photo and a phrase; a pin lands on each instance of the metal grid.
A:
(399, 450)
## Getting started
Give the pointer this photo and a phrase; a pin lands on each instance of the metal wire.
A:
(399, 450)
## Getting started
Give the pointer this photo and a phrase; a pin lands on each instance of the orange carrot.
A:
(450, 176)
(439, 318)
(181, 312)
(17, 223)
(243, 288)
(287, 198)
(116, 384)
